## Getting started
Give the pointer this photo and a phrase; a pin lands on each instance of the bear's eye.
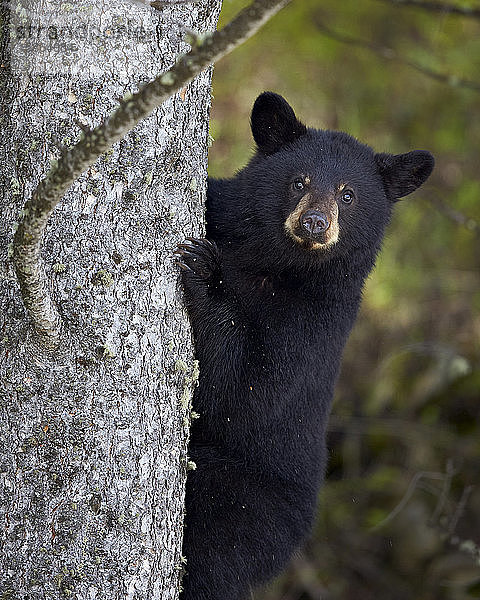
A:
(348, 196)
(298, 184)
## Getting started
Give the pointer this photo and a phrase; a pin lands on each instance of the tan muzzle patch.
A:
(294, 228)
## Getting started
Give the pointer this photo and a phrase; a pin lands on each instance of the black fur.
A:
(270, 318)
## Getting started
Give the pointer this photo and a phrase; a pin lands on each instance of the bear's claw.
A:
(199, 256)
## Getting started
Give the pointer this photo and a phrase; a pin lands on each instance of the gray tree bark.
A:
(93, 435)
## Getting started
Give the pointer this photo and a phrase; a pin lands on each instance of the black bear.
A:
(272, 294)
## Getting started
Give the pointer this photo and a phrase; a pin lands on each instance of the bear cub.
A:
(272, 294)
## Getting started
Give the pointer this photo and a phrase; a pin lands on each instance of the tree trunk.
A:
(93, 435)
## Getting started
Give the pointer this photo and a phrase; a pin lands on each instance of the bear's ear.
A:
(274, 123)
(403, 173)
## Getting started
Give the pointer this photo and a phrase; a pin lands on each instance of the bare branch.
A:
(74, 161)
(447, 484)
(442, 7)
(402, 428)
(161, 4)
(408, 494)
(448, 529)
(390, 54)
(459, 510)
(454, 215)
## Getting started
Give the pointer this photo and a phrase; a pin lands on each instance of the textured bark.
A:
(93, 435)
(206, 48)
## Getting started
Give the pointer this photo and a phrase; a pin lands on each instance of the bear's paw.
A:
(200, 257)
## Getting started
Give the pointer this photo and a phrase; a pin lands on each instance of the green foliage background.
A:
(400, 514)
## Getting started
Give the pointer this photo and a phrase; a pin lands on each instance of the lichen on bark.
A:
(205, 49)
(93, 435)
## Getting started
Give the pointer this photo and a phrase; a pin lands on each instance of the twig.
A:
(442, 500)
(402, 428)
(408, 494)
(454, 215)
(452, 526)
(390, 54)
(161, 4)
(442, 7)
(448, 529)
(74, 161)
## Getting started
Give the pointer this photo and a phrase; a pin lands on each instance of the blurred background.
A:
(399, 516)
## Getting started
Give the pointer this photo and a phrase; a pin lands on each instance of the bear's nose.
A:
(314, 222)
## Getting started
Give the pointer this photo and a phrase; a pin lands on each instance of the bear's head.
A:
(318, 193)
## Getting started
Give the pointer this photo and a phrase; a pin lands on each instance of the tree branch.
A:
(454, 215)
(442, 7)
(408, 494)
(390, 54)
(73, 162)
(402, 428)
(161, 4)
(448, 530)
